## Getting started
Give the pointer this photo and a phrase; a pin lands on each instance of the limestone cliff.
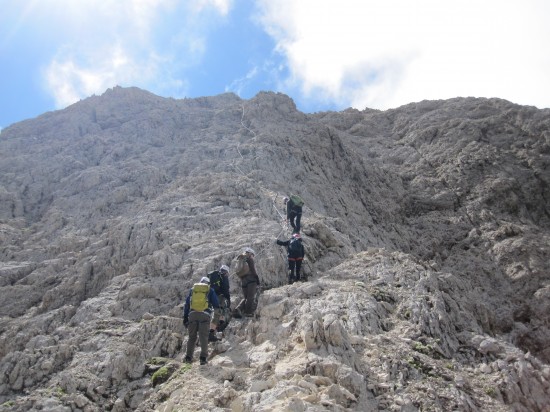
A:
(427, 235)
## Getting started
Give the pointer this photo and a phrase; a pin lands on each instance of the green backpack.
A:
(297, 200)
(199, 297)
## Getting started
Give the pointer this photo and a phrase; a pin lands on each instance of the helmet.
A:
(296, 236)
(204, 279)
(249, 250)
(224, 268)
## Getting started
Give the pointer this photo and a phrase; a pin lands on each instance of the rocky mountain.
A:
(427, 235)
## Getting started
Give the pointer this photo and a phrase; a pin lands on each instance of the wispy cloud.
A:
(238, 85)
(131, 42)
(384, 54)
(73, 76)
(221, 6)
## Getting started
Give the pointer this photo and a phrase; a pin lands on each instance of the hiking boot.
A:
(187, 359)
(221, 326)
(203, 360)
(212, 336)
(237, 314)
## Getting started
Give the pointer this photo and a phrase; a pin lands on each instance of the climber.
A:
(295, 254)
(196, 317)
(249, 283)
(294, 211)
(219, 281)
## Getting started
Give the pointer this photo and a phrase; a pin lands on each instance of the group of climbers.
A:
(207, 308)
(294, 246)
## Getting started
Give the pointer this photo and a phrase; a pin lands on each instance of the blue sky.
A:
(326, 55)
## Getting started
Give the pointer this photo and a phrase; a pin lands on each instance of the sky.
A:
(324, 54)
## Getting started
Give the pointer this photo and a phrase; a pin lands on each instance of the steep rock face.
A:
(427, 230)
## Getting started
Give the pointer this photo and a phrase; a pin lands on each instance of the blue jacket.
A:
(212, 302)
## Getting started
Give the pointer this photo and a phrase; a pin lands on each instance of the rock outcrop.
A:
(427, 235)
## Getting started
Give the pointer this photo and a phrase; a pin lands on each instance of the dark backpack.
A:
(295, 248)
(216, 281)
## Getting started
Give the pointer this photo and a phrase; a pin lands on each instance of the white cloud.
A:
(267, 72)
(238, 85)
(70, 80)
(222, 6)
(358, 53)
(385, 54)
(126, 42)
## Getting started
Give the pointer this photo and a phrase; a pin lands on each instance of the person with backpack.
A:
(196, 317)
(295, 255)
(219, 281)
(246, 270)
(294, 205)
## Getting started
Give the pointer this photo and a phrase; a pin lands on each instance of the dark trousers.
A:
(248, 304)
(219, 314)
(199, 323)
(294, 267)
(294, 219)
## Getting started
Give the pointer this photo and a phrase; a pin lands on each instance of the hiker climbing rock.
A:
(294, 205)
(196, 317)
(246, 271)
(219, 281)
(295, 255)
